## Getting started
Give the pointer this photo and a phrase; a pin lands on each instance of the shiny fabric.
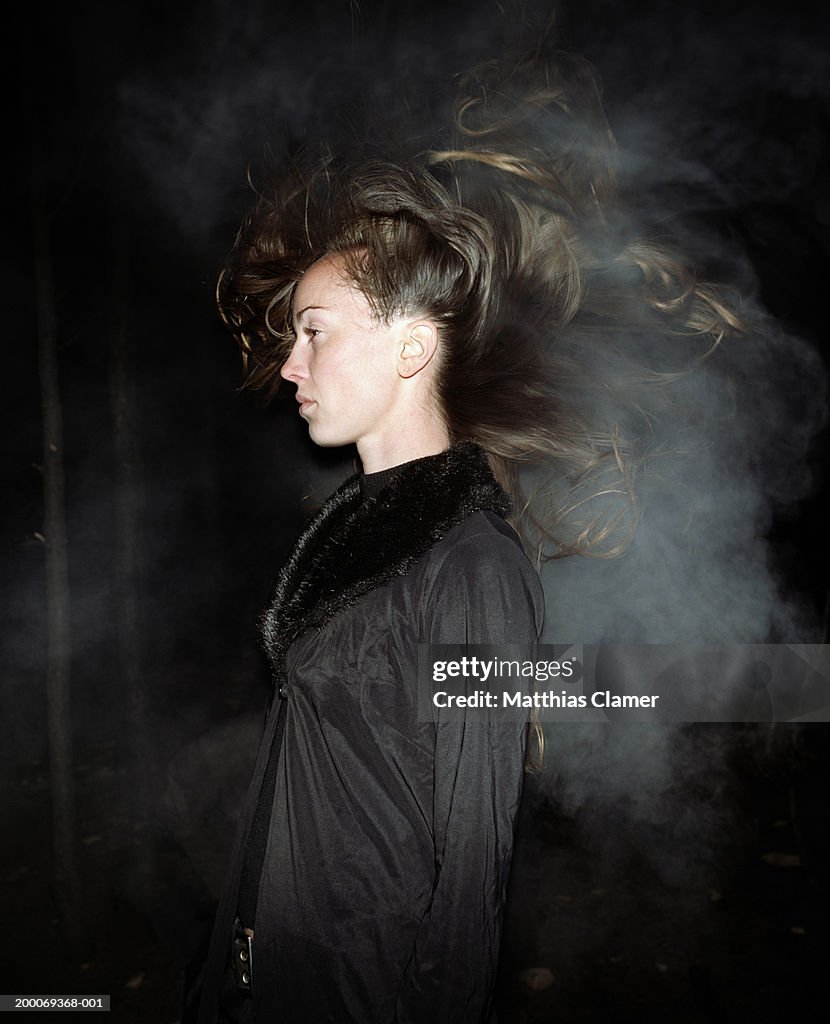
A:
(385, 872)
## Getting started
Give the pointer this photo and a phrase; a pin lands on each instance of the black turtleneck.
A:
(371, 484)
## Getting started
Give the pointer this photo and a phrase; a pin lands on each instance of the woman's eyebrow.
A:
(305, 309)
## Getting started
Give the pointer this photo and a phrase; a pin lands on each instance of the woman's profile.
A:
(416, 304)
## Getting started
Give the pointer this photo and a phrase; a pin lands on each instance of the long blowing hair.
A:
(514, 238)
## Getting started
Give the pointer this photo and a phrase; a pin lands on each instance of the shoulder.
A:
(479, 570)
(481, 539)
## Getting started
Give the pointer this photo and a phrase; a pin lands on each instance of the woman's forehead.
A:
(326, 285)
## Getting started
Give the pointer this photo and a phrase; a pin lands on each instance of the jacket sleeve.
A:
(484, 592)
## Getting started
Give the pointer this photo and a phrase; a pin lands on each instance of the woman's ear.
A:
(418, 342)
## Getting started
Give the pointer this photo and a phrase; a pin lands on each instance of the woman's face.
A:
(343, 361)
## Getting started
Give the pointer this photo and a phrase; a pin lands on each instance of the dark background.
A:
(691, 887)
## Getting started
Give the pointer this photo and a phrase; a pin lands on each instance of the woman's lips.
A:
(305, 404)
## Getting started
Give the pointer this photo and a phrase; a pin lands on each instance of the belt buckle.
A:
(242, 956)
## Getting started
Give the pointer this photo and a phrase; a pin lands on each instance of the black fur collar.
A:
(352, 546)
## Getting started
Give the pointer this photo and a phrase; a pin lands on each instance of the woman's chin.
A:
(327, 439)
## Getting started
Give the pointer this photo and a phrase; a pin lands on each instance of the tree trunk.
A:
(127, 484)
(66, 877)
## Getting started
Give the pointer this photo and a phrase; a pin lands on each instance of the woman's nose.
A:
(294, 368)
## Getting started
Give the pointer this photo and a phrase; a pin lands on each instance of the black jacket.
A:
(390, 838)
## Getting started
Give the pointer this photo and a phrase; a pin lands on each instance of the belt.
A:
(242, 952)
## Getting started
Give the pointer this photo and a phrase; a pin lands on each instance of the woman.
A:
(412, 304)
(373, 871)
